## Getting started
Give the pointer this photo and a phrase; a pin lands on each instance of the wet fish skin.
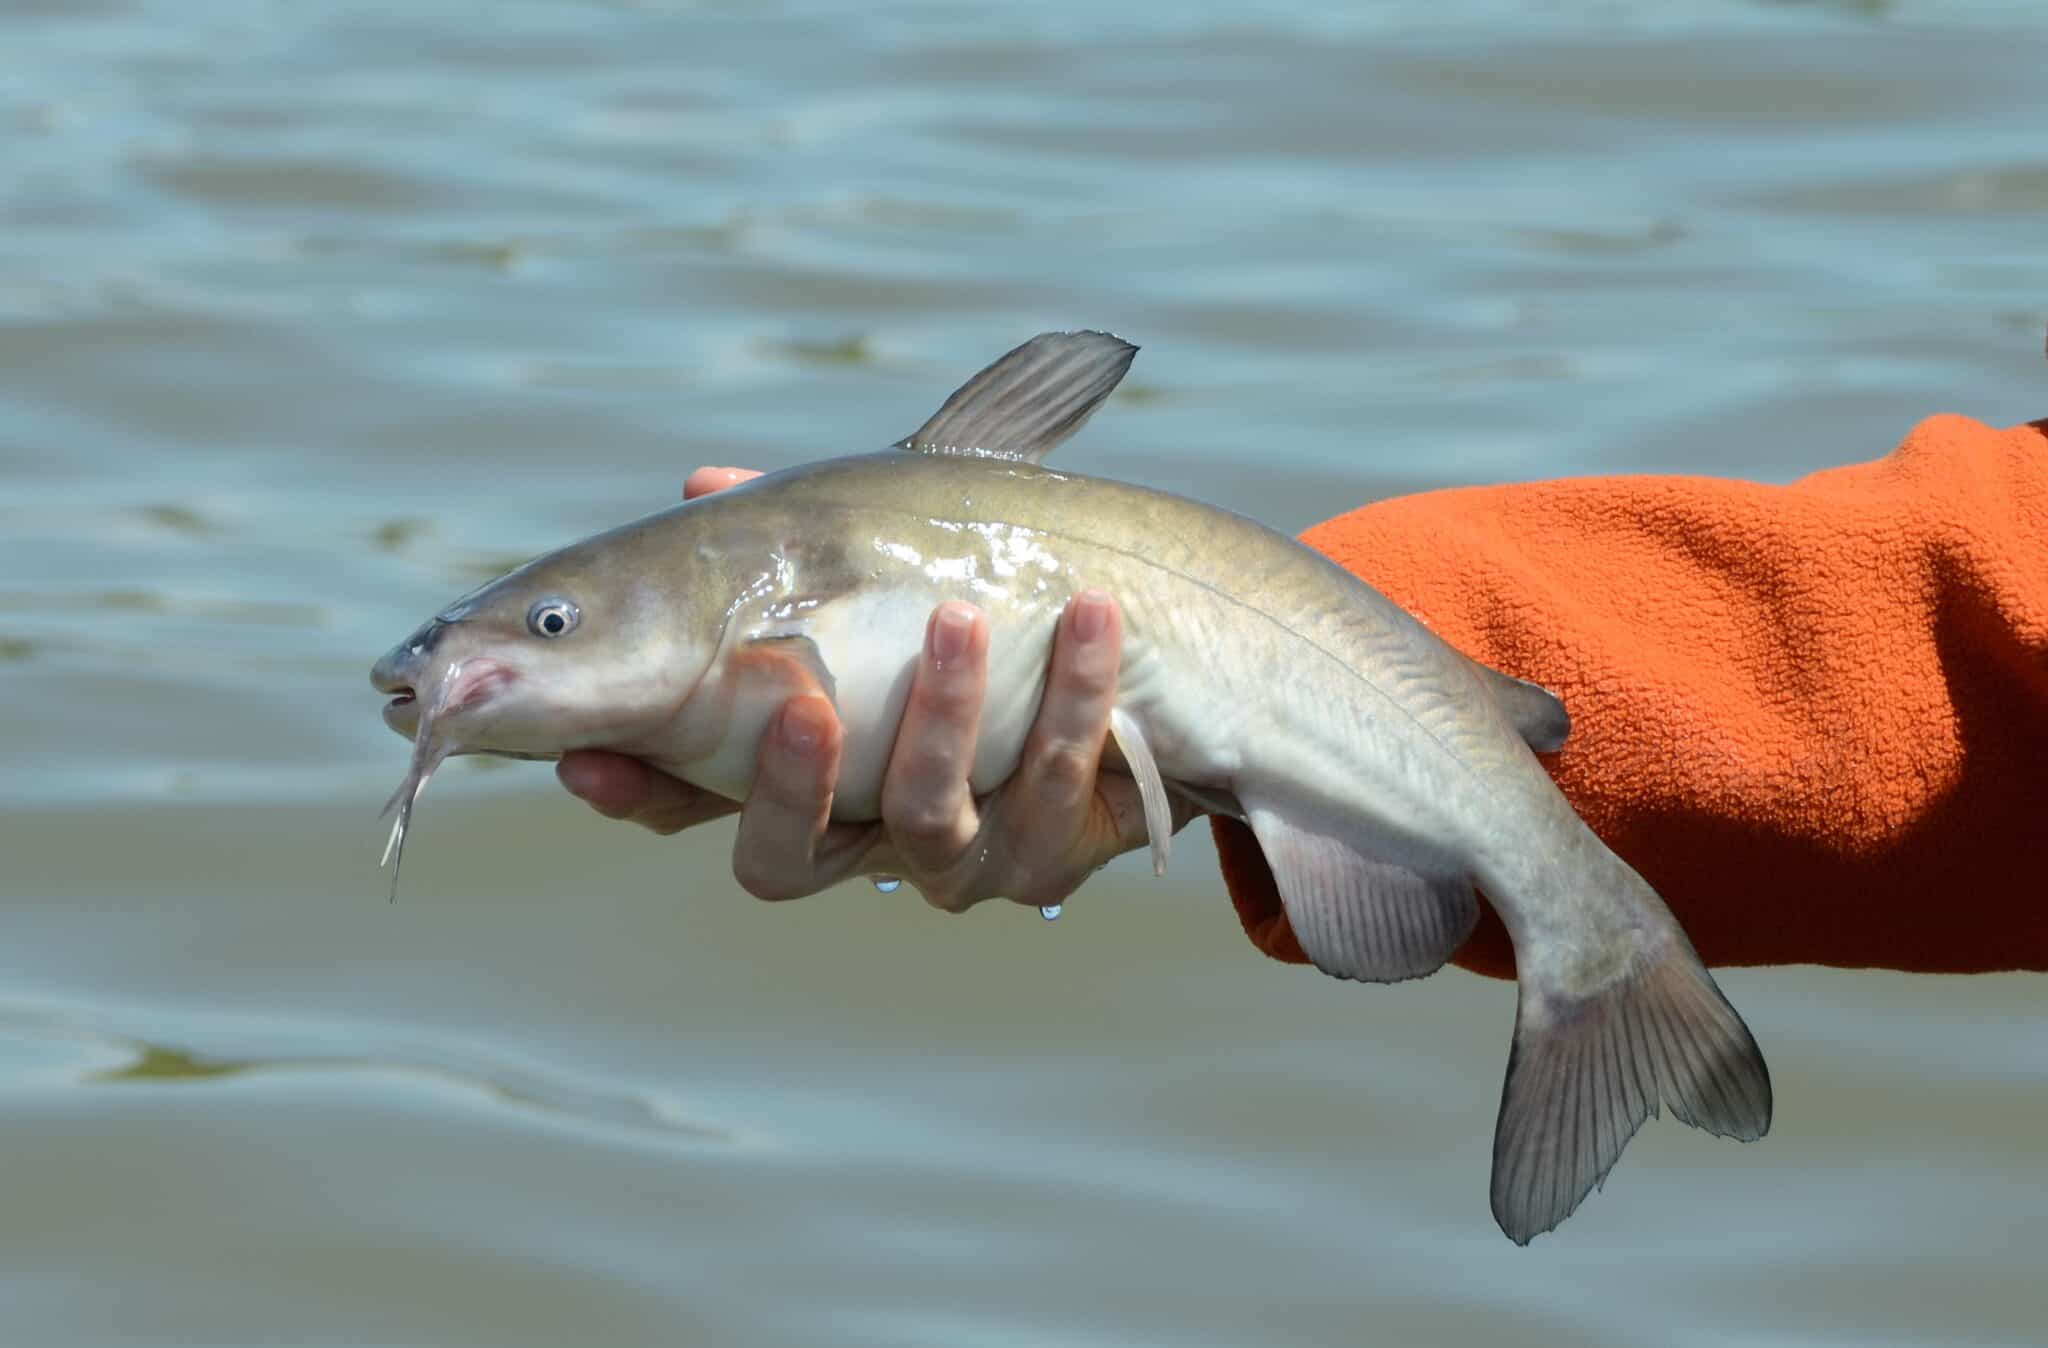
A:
(1383, 773)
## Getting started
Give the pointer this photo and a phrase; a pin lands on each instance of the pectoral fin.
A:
(1130, 741)
(1029, 400)
(1357, 916)
(789, 657)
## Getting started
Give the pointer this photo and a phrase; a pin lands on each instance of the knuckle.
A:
(796, 792)
(946, 698)
(1087, 680)
(949, 897)
(926, 822)
(1064, 768)
(673, 817)
(1049, 881)
(918, 776)
(1044, 894)
(762, 878)
(942, 899)
(934, 838)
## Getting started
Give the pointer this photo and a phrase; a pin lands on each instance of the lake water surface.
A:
(313, 315)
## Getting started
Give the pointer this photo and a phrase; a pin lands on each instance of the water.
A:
(312, 316)
(1051, 911)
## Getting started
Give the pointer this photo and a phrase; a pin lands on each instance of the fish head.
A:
(582, 648)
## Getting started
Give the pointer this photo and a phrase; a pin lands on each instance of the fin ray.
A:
(1585, 1074)
(1029, 400)
(1130, 741)
(1357, 916)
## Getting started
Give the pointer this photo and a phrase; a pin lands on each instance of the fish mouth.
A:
(468, 686)
(403, 710)
(392, 676)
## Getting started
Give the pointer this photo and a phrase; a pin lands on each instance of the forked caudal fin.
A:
(1584, 1074)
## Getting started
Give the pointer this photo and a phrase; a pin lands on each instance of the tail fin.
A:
(1586, 1071)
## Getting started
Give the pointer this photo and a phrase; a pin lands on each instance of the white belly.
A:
(871, 644)
(1200, 723)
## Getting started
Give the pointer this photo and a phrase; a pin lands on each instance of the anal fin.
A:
(1357, 916)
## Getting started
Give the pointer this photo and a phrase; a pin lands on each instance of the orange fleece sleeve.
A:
(1814, 716)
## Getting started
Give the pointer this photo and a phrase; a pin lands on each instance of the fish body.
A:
(1383, 772)
(1251, 665)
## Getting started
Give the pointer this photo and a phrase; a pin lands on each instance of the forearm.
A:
(1815, 717)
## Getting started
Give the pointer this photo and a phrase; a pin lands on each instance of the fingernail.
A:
(952, 625)
(1091, 614)
(705, 481)
(804, 726)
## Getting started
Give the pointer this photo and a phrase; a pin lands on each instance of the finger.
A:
(1055, 781)
(707, 480)
(1120, 810)
(619, 787)
(927, 804)
(787, 811)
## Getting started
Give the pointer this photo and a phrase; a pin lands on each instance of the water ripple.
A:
(529, 1089)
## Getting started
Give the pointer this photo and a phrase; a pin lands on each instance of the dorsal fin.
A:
(1537, 712)
(1028, 401)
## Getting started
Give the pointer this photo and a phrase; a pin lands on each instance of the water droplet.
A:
(888, 884)
(1051, 911)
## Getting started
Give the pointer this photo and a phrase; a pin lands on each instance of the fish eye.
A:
(552, 617)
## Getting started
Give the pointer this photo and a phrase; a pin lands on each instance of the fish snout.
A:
(398, 673)
(392, 674)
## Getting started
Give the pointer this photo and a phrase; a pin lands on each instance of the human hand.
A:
(1035, 840)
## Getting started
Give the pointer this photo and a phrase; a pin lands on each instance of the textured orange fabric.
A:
(1814, 716)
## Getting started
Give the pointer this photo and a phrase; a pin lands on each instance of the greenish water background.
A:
(312, 315)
